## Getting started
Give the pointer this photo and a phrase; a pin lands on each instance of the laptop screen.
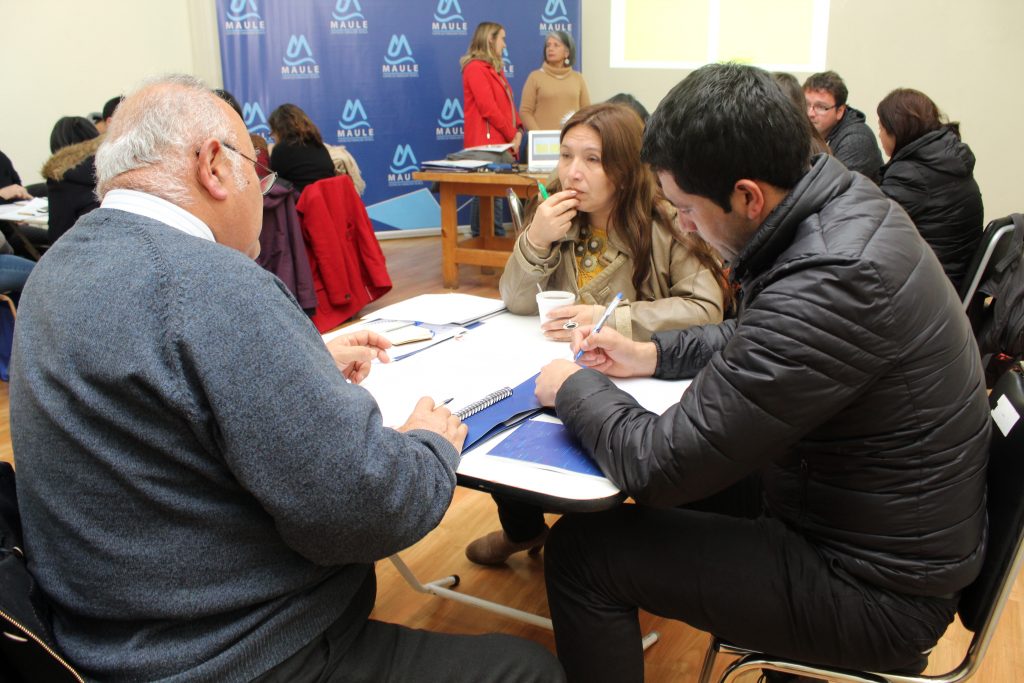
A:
(543, 149)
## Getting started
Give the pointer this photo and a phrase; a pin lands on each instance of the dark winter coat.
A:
(850, 381)
(71, 185)
(933, 179)
(853, 143)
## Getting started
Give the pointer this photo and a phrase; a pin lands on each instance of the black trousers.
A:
(388, 652)
(750, 580)
(520, 521)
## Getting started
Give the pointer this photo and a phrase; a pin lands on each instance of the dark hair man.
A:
(109, 107)
(842, 126)
(832, 447)
(203, 494)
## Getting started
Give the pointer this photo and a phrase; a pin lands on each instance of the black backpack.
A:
(27, 650)
(997, 311)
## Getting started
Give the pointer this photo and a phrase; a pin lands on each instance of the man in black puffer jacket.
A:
(842, 126)
(848, 393)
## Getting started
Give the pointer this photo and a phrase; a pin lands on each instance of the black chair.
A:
(982, 602)
(993, 247)
(515, 207)
(27, 650)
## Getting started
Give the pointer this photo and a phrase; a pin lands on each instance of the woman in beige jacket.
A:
(605, 229)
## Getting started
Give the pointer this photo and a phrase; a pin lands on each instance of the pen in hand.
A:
(602, 320)
(543, 190)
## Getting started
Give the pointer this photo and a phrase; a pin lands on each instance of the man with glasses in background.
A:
(203, 487)
(842, 126)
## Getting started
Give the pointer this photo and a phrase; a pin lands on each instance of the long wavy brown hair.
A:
(288, 123)
(638, 198)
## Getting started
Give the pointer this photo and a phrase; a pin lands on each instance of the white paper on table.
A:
(37, 207)
(503, 351)
(440, 309)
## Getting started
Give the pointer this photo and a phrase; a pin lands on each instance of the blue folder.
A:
(503, 414)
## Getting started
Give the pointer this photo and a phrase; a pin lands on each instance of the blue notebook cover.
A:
(549, 444)
(502, 415)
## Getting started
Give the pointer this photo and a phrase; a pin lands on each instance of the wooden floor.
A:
(414, 265)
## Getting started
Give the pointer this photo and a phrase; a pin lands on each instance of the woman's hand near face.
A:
(552, 219)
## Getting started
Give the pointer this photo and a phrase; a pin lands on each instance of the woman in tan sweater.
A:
(554, 91)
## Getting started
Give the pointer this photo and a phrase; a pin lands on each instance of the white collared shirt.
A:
(151, 206)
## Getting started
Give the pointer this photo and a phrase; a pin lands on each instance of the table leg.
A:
(449, 237)
(487, 219)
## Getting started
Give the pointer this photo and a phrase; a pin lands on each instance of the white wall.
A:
(67, 57)
(967, 56)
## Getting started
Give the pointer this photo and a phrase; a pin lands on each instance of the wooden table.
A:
(488, 249)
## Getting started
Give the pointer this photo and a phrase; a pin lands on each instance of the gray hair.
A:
(152, 140)
(565, 39)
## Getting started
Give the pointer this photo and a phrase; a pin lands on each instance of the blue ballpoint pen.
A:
(602, 320)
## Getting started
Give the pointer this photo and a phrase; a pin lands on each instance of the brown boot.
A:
(496, 547)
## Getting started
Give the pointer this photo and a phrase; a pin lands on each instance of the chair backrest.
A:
(515, 207)
(993, 246)
(982, 602)
(27, 651)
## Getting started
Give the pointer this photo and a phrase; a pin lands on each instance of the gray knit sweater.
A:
(201, 490)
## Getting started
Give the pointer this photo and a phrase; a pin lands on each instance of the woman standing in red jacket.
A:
(488, 103)
(490, 110)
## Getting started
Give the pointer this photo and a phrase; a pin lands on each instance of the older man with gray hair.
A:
(203, 493)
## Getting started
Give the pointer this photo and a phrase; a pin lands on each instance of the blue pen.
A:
(602, 320)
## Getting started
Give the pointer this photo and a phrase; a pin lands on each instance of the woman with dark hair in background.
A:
(795, 92)
(555, 91)
(605, 228)
(631, 102)
(299, 155)
(71, 173)
(931, 174)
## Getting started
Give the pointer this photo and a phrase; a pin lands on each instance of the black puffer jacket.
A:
(853, 143)
(71, 184)
(933, 179)
(850, 380)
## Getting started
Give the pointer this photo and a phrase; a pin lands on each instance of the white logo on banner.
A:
(347, 17)
(298, 59)
(555, 18)
(255, 120)
(354, 125)
(506, 65)
(399, 62)
(448, 19)
(450, 124)
(243, 18)
(403, 165)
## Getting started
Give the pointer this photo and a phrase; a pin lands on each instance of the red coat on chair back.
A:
(348, 266)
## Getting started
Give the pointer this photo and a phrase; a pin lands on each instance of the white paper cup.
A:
(547, 301)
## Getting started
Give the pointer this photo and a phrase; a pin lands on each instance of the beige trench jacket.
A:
(679, 292)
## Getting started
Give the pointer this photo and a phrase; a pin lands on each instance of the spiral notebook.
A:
(498, 411)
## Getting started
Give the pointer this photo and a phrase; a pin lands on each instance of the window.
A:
(781, 35)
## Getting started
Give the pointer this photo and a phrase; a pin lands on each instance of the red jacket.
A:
(348, 266)
(489, 107)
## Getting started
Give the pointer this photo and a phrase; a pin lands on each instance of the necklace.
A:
(589, 249)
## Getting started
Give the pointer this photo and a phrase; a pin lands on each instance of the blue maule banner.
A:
(381, 77)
